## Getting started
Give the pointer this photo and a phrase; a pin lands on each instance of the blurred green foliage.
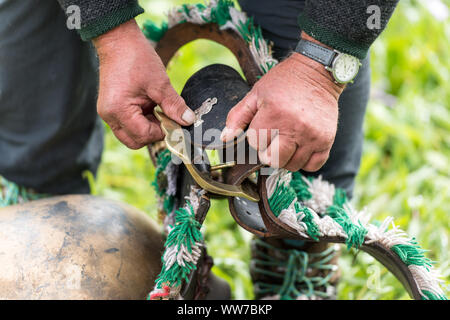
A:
(405, 166)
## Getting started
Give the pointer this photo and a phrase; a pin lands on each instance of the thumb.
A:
(240, 117)
(175, 107)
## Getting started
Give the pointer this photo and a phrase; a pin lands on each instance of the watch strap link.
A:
(316, 52)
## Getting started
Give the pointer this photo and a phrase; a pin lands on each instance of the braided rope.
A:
(182, 251)
(330, 214)
(184, 239)
(224, 14)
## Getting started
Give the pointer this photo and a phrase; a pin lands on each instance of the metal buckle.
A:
(176, 143)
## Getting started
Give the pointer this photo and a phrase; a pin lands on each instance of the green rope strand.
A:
(412, 254)
(281, 198)
(185, 232)
(427, 295)
(339, 198)
(300, 187)
(153, 31)
(162, 161)
(160, 182)
(312, 228)
(356, 233)
(221, 13)
(292, 266)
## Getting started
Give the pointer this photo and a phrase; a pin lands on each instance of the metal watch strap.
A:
(316, 52)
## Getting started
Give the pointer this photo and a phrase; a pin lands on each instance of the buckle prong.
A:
(220, 166)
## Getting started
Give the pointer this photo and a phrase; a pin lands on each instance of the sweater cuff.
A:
(332, 39)
(110, 21)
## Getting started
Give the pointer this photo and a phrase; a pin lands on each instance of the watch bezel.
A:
(332, 69)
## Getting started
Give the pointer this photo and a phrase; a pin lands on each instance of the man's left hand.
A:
(299, 99)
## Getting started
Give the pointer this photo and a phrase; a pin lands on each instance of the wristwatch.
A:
(342, 66)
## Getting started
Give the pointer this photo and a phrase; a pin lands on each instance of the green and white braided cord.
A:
(182, 250)
(224, 14)
(314, 207)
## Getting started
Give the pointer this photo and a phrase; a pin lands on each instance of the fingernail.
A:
(225, 134)
(264, 157)
(188, 116)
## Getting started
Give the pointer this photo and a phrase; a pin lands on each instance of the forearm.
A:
(343, 24)
(100, 16)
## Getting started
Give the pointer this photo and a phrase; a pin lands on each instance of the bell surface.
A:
(77, 247)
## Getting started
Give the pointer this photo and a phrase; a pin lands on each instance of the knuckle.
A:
(141, 136)
(103, 112)
(129, 143)
(326, 141)
(171, 103)
(311, 168)
(293, 167)
(108, 113)
(160, 91)
(114, 126)
(316, 162)
(233, 115)
(141, 140)
(134, 145)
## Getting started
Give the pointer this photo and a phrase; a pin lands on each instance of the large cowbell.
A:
(77, 247)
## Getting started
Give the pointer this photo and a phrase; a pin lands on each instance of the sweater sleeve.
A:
(350, 26)
(100, 16)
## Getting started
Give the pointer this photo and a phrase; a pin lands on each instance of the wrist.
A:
(316, 73)
(317, 69)
(108, 42)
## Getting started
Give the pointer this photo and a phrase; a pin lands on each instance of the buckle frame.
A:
(174, 141)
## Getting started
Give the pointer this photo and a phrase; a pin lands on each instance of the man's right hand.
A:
(133, 81)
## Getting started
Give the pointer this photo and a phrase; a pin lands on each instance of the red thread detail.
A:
(160, 295)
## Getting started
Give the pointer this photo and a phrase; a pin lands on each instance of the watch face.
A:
(345, 68)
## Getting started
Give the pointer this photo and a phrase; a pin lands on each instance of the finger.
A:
(123, 137)
(240, 117)
(279, 152)
(299, 159)
(260, 132)
(175, 107)
(317, 160)
(159, 134)
(118, 131)
(138, 127)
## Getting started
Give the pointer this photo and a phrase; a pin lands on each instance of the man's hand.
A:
(133, 81)
(299, 98)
